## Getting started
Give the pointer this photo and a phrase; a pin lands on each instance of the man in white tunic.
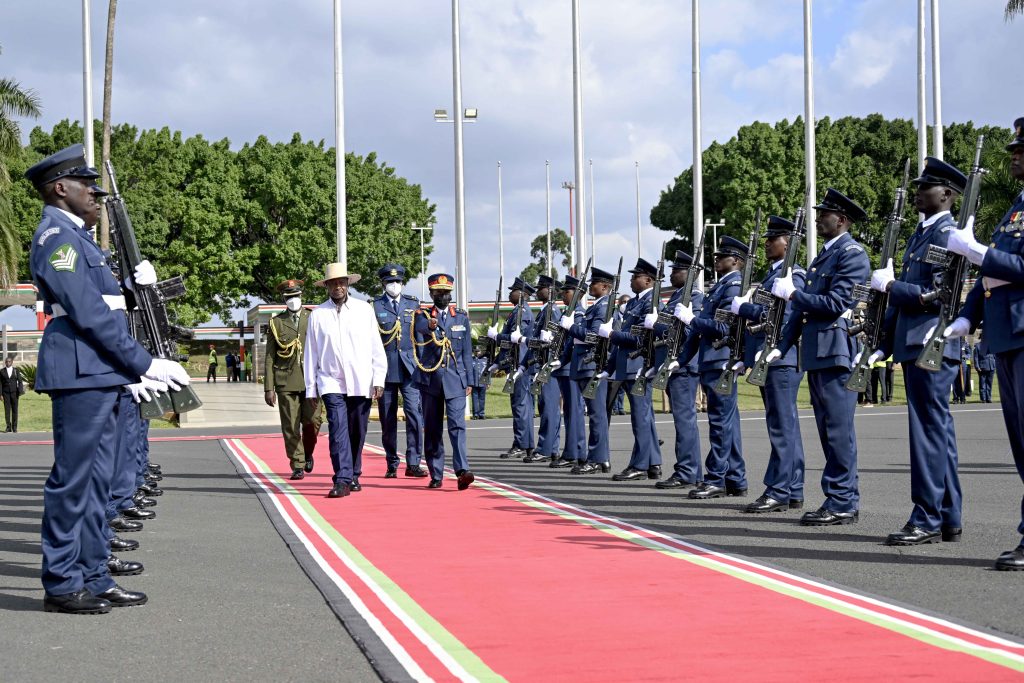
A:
(345, 365)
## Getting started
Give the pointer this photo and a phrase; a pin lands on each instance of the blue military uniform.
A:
(784, 476)
(724, 469)
(394, 321)
(821, 320)
(549, 399)
(512, 359)
(479, 390)
(444, 373)
(85, 358)
(646, 454)
(575, 449)
(934, 483)
(985, 364)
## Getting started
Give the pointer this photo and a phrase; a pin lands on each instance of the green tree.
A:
(1013, 8)
(560, 251)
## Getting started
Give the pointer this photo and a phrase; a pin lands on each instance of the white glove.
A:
(959, 328)
(882, 278)
(651, 373)
(565, 322)
(492, 332)
(684, 313)
(493, 368)
(602, 375)
(673, 366)
(144, 274)
(773, 356)
(783, 287)
(739, 367)
(738, 301)
(605, 330)
(555, 364)
(964, 243)
(141, 391)
(546, 336)
(649, 320)
(519, 371)
(872, 359)
(515, 336)
(169, 372)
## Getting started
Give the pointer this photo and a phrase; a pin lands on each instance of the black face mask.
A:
(442, 300)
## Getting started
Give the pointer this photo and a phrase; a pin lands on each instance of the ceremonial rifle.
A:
(646, 336)
(161, 333)
(874, 315)
(951, 285)
(492, 346)
(513, 349)
(775, 308)
(553, 349)
(676, 330)
(735, 338)
(599, 352)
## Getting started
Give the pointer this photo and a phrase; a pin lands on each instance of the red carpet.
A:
(494, 582)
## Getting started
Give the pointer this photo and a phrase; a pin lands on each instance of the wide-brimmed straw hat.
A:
(336, 270)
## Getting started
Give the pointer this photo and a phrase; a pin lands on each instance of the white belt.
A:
(115, 301)
(991, 283)
(848, 314)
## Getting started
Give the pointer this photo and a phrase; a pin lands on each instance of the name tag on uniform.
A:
(382, 314)
(458, 328)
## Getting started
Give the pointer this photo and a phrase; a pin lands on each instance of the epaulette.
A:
(410, 297)
(947, 228)
(854, 247)
(463, 312)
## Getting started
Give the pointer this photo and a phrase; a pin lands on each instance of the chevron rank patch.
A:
(64, 259)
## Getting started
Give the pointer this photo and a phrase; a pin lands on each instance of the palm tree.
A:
(1013, 8)
(14, 101)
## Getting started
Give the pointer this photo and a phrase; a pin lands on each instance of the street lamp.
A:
(423, 261)
(714, 235)
(569, 185)
(468, 116)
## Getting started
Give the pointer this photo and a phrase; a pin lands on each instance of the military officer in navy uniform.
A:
(583, 369)
(821, 319)
(997, 299)
(985, 364)
(934, 483)
(512, 358)
(445, 377)
(394, 311)
(575, 449)
(549, 399)
(784, 476)
(682, 389)
(89, 326)
(725, 473)
(479, 391)
(645, 458)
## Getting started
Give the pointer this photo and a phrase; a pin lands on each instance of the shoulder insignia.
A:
(410, 297)
(946, 228)
(459, 310)
(46, 235)
(853, 247)
(64, 259)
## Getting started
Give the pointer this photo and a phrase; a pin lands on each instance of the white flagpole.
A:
(922, 97)
(90, 153)
(461, 267)
(577, 91)
(810, 160)
(593, 221)
(937, 143)
(639, 234)
(547, 205)
(698, 169)
(501, 230)
(339, 143)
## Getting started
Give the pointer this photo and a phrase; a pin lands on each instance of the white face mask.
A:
(394, 289)
(293, 303)
(622, 308)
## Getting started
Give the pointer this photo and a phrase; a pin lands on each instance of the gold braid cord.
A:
(444, 342)
(285, 350)
(389, 335)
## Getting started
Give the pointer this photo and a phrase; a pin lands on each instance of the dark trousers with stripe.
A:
(724, 464)
(1010, 372)
(834, 408)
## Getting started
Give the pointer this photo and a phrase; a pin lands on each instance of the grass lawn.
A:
(34, 414)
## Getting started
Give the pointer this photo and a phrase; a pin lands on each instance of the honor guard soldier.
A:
(549, 399)
(575, 449)
(583, 369)
(682, 390)
(645, 458)
(784, 476)
(512, 359)
(985, 364)
(89, 327)
(725, 472)
(284, 383)
(394, 311)
(934, 484)
(996, 299)
(821, 318)
(444, 374)
(479, 391)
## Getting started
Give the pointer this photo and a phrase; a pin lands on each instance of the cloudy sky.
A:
(241, 68)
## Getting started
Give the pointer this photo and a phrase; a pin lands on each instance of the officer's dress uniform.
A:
(443, 372)
(549, 399)
(724, 467)
(820, 319)
(394, 318)
(784, 476)
(985, 364)
(575, 448)
(512, 358)
(300, 423)
(479, 391)
(86, 357)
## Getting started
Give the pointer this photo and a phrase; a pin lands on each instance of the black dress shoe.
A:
(654, 472)
(120, 545)
(952, 534)
(355, 486)
(149, 476)
(913, 535)
(513, 453)
(141, 500)
(136, 513)
(122, 525)
(154, 467)
(766, 504)
(465, 479)
(823, 517)
(416, 471)
(534, 456)
(151, 490)
(297, 473)
(309, 463)
(119, 597)
(119, 567)
(796, 504)
(338, 491)
(392, 473)
(706, 491)
(434, 484)
(674, 482)
(735, 492)
(80, 602)
(560, 464)
(630, 474)
(1011, 560)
